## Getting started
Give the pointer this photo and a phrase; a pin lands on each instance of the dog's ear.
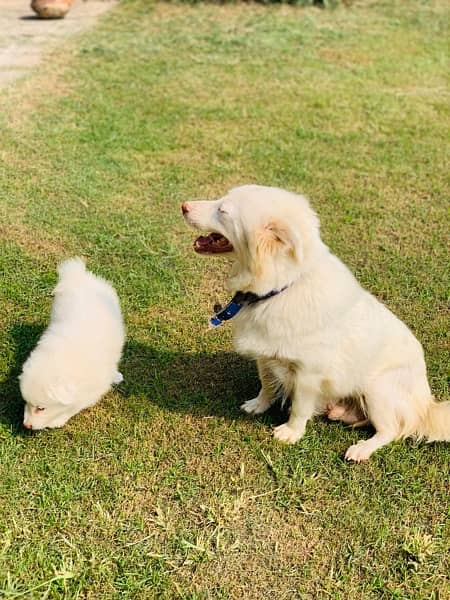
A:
(276, 237)
(273, 239)
(62, 393)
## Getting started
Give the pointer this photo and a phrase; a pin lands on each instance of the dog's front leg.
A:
(305, 397)
(267, 394)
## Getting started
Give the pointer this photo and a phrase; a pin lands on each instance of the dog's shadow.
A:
(201, 384)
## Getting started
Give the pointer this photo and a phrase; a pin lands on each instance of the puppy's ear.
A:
(62, 393)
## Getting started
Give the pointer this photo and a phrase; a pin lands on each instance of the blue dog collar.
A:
(237, 303)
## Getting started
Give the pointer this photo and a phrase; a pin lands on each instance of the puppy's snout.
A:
(185, 207)
(28, 425)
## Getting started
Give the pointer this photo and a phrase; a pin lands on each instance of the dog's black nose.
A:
(185, 208)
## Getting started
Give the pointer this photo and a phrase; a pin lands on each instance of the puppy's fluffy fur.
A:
(76, 360)
(324, 338)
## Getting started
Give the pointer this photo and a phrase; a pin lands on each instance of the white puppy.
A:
(317, 336)
(76, 360)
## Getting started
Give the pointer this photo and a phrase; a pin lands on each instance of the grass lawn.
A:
(164, 489)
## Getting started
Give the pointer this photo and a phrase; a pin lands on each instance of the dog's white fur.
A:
(324, 338)
(76, 359)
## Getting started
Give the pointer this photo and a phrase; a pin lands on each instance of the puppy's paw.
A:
(287, 434)
(117, 378)
(256, 406)
(359, 452)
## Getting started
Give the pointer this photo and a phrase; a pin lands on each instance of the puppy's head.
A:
(268, 232)
(47, 405)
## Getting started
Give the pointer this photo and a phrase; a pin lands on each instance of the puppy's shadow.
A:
(20, 341)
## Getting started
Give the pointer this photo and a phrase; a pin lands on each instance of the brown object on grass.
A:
(51, 9)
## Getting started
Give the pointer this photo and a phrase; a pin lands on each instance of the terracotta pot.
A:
(51, 9)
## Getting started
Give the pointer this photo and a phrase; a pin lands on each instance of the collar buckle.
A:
(239, 300)
(225, 314)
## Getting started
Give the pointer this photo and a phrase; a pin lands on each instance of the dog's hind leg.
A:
(361, 451)
(270, 386)
(391, 411)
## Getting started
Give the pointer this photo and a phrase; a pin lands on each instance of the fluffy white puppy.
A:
(76, 359)
(316, 335)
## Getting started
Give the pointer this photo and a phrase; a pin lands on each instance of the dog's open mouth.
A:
(214, 243)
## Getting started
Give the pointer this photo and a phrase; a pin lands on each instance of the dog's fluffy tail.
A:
(436, 424)
(73, 267)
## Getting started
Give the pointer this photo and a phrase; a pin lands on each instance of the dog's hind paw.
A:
(359, 452)
(256, 406)
(118, 377)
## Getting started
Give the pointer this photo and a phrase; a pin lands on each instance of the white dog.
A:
(316, 335)
(77, 357)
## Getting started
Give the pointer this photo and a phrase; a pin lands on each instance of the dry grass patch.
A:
(33, 243)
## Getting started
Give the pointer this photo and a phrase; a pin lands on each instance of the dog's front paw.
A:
(256, 406)
(287, 434)
(359, 452)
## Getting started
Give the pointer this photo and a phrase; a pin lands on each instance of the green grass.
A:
(164, 489)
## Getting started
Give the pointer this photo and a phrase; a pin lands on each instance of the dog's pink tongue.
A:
(214, 243)
(203, 241)
(204, 244)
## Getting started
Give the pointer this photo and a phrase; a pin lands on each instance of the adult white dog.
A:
(316, 335)
(76, 360)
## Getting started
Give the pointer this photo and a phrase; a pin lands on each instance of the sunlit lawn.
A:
(164, 489)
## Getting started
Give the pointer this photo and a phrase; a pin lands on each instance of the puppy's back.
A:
(79, 287)
(84, 339)
(72, 267)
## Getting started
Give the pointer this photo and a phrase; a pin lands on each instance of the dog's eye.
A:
(39, 409)
(222, 211)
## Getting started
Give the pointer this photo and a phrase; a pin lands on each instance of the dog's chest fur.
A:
(276, 332)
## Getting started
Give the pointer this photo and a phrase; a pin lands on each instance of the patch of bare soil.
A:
(25, 39)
